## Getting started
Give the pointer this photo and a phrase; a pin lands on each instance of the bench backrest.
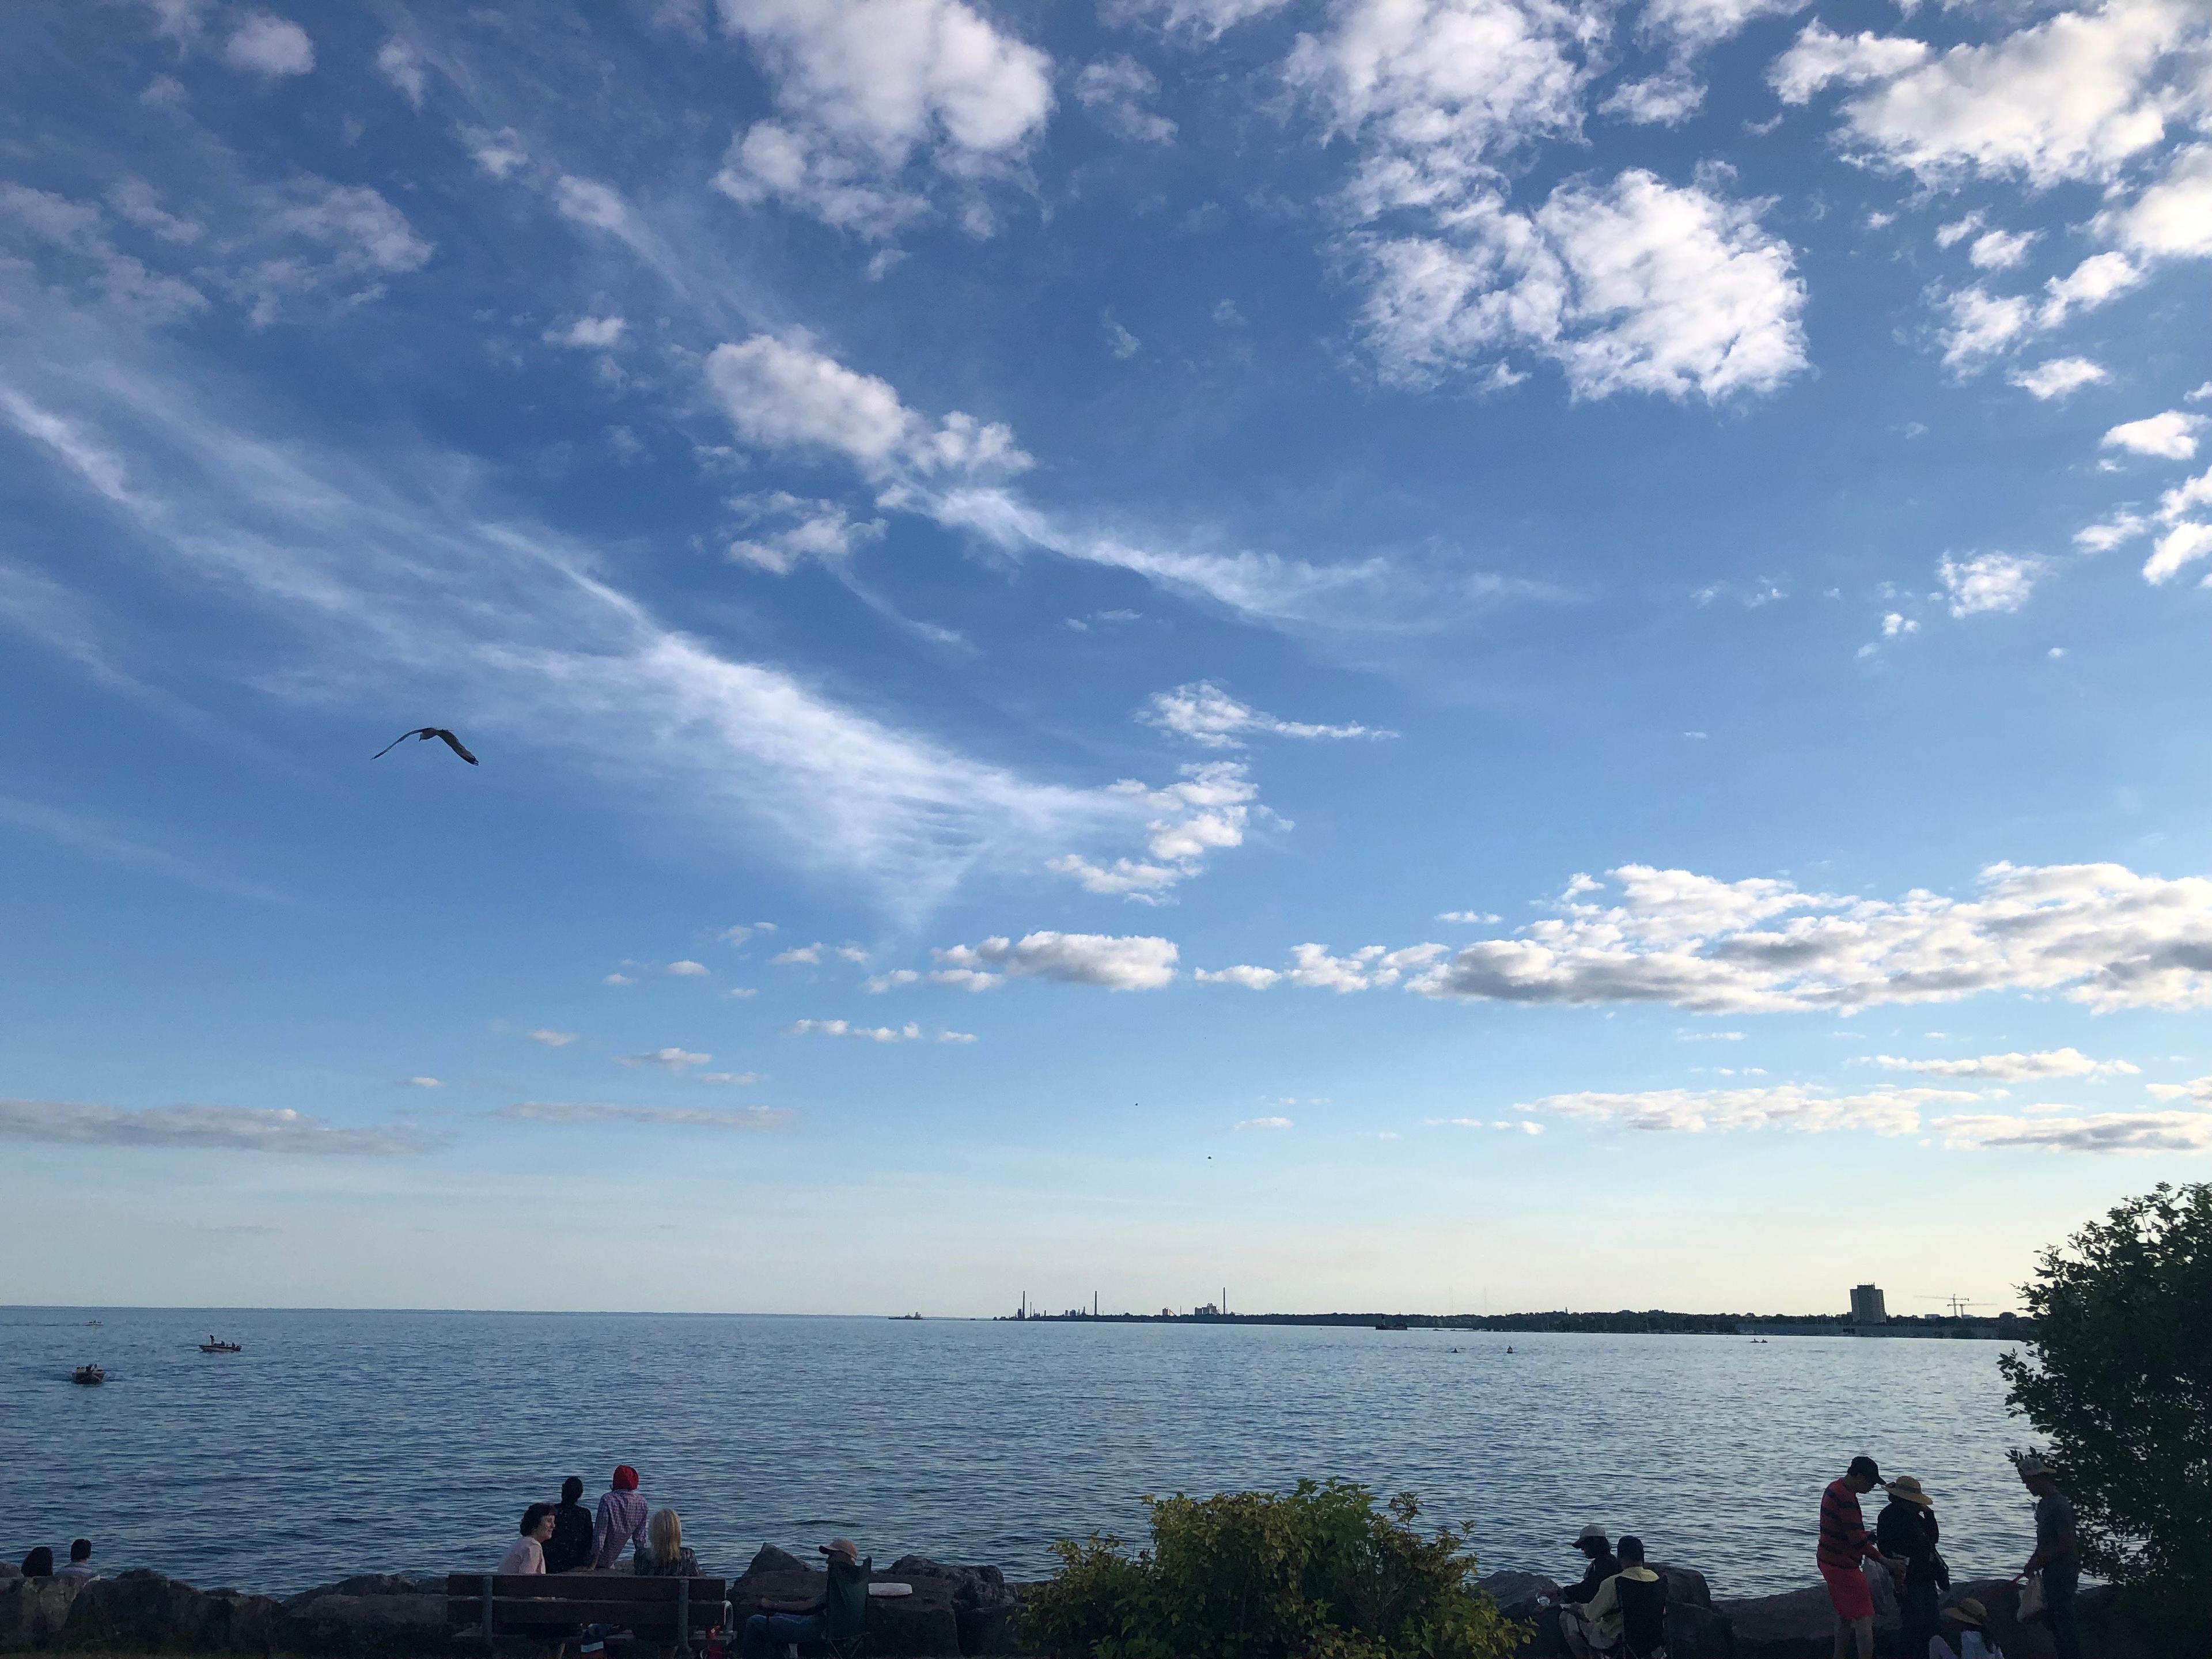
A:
(674, 1606)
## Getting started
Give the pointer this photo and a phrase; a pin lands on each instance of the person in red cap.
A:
(621, 1519)
(1844, 1547)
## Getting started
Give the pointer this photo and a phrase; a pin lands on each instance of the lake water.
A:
(342, 1443)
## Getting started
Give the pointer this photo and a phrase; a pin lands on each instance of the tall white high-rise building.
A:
(1866, 1306)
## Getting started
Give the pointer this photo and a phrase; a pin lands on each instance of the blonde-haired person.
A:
(665, 1555)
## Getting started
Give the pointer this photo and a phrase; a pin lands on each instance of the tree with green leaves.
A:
(2120, 1379)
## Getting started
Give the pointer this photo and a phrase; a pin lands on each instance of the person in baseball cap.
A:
(1582, 1636)
(1844, 1546)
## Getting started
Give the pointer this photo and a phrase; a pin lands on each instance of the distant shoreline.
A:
(2005, 1329)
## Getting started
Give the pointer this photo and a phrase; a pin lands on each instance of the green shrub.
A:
(1319, 1572)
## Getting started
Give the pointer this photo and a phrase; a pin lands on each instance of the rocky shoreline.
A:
(955, 1613)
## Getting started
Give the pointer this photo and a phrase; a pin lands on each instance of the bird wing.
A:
(454, 743)
(419, 732)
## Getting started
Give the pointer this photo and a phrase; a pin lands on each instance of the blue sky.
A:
(1393, 654)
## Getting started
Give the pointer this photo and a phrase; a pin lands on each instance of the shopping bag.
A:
(2031, 1596)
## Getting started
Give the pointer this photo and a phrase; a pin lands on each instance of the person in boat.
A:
(1627, 1617)
(663, 1554)
(621, 1518)
(526, 1554)
(39, 1563)
(781, 1624)
(80, 1565)
(570, 1546)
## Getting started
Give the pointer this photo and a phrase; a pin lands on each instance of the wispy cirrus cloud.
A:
(744, 1120)
(212, 1128)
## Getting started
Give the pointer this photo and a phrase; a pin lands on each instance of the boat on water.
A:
(211, 1346)
(1389, 1324)
(88, 1374)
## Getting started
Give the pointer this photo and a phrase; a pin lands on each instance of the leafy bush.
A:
(1319, 1572)
(2120, 1379)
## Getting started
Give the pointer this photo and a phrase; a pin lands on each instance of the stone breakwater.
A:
(954, 1611)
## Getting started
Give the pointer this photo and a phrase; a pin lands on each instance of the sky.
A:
(1411, 654)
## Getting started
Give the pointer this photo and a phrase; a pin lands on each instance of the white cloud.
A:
(1895, 625)
(2098, 279)
(1987, 582)
(1252, 978)
(1806, 1108)
(1694, 25)
(1472, 917)
(733, 1080)
(1119, 341)
(1265, 1123)
(2059, 378)
(1209, 716)
(2070, 97)
(2102, 1132)
(76, 229)
(788, 531)
(2172, 219)
(1208, 811)
(877, 984)
(2171, 436)
(2097, 933)
(955, 1037)
(2000, 250)
(551, 1039)
(851, 953)
(618, 979)
(746, 1118)
(136, 201)
(397, 62)
(878, 103)
(798, 955)
(1202, 19)
(1818, 58)
(1637, 286)
(781, 394)
(668, 1059)
(589, 202)
(226, 1128)
(2014, 1067)
(1116, 962)
(422, 1083)
(1117, 91)
(270, 45)
(589, 333)
(498, 154)
(1661, 100)
(2181, 546)
(1523, 1126)
(908, 1032)
(366, 230)
(1982, 327)
(687, 969)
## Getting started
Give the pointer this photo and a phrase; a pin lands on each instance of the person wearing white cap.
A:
(1583, 1635)
(781, 1626)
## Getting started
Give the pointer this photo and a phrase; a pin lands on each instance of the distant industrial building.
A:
(1866, 1306)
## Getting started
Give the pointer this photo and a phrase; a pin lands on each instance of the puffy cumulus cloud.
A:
(2179, 548)
(589, 333)
(784, 531)
(498, 154)
(2000, 250)
(908, 1032)
(550, 1038)
(744, 1120)
(781, 394)
(1691, 26)
(1252, 978)
(75, 235)
(1981, 325)
(1635, 286)
(1987, 582)
(877, 984)
(688, 969)
(421, 1083)
(1369, 968)
(268, 45)
(879, 102)
(1209, 716)
(1656, 100)
(220, 1129)
(2173, 218)
(667, 1059)
(2072, 96)
(1209, 811)
(1114, 962)
(1118, 92)
(2098, 934)
(1818, 58)
(2171, 436)
(2059, 378)
(1806, 1108)
(1522, 1126)
(2014, 1067)
(1202, 19)
(731, 1079)
(1266, 1123)
(397, 63)
(807, 955)
(2101, 1132)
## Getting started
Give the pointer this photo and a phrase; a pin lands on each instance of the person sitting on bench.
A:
(526, 1554)
(786, 1624)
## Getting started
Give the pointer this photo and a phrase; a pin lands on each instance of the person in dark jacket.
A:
(1591, 1542)
(570, 1546)
(1906, 1531)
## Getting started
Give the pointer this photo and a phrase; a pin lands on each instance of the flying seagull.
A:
(425, 733)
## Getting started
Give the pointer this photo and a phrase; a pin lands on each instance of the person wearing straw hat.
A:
(1964, 1634)
(1845, 1547)
(1906, 1531)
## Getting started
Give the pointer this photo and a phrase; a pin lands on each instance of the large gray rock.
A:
(772, 1559)
(34, 1610)
(1518, 1595)
(1798, 1624)
(372, 1614)
(1698, 1633)
(143, 1610)
(1686, 1586)
(983, 1604)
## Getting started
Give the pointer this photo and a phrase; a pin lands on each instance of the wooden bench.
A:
(555, 1605)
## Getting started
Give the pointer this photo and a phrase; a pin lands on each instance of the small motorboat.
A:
(212, 1347)
(88, 1374)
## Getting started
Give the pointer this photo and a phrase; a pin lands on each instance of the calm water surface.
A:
(343, 1443)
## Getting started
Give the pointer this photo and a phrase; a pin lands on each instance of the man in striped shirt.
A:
(1845, 1547)
(621, 1519)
